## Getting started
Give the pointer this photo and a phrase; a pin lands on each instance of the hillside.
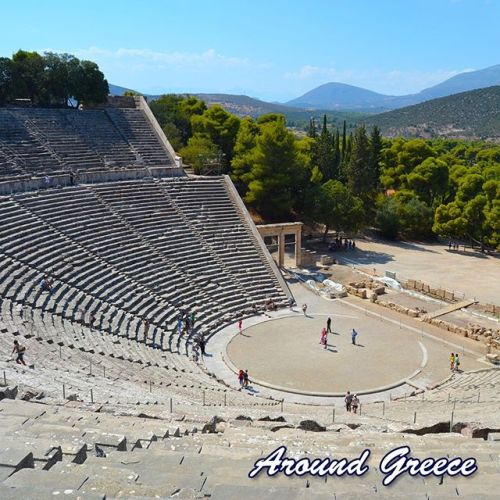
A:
(461, 83)
(335, 95)
(242, 105)
(469, 115)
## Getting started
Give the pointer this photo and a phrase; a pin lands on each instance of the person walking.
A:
(323, 339)
(304, 309)
(146, 330)
(348, 401)
(19, 350)
(329, 325)
(456, 362)
(202, 346)
(355, 403)
(240, 325)
(354, 334)
(452, 361)
(241, 378)
(246, 380)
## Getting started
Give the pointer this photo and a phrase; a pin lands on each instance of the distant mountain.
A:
(336, 95)
(468, 115)
(463, 82)
(117, 90)
(348, 97)
(242, 105)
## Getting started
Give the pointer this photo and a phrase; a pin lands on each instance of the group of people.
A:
(325, 331)
(270, 305)
(454, 362)
(453, 245)
(351, 402)
(340, 243)
(185, 321)
(243, 379)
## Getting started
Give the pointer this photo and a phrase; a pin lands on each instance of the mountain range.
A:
(471, 115)
(336, 95)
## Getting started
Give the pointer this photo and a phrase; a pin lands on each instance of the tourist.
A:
(240, 325)
(19, 350)
(355, 403)
(241, 378)
(304, 309)
(353, 245)
(195, 353)
(46, 284)
(348, 401)
(192, 319)
(452, 361)
(290, 303)
(323, 340)
(146, 330)
(354, 334)
(246, 380)
(329, 325)
(201, 343)
(179, 323)
(456, 362)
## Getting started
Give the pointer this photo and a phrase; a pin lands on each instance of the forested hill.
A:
(468, 115)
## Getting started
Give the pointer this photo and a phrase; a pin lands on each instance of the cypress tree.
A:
(376, 145)
(336, 154)
(359, 174)
(344, 143)
(311, 132)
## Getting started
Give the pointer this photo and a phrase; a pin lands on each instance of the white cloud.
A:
(209, 57)
(147, 58)
(391, 82)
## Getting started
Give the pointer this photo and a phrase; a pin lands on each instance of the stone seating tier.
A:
(39, 141)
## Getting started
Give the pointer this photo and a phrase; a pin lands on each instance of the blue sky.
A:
(272, 49)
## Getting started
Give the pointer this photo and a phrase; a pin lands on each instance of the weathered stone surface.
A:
(311, 425)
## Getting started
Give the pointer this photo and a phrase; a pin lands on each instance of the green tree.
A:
(376, 145)
(28, 76)
(323, 153)
(361, 179)
(336, 208)
(6, 88)
(61, 77)
(429, 180)
(274, 171)
(387, 217)
(200, 152)
(243, 158)
(220, 126)
(90, 86)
